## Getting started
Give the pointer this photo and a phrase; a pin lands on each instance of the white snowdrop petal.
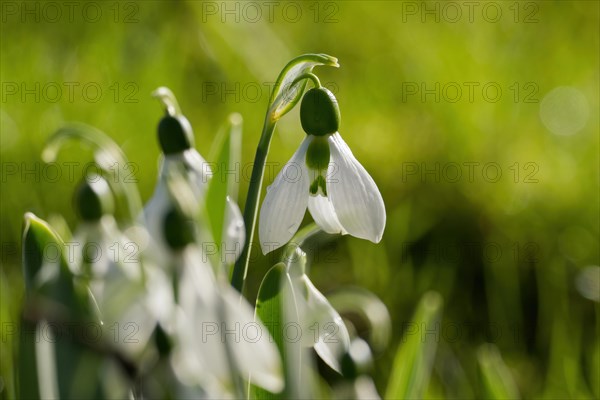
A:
(154, 214)
(252, 346)
(214, 317)
(333, 338)
(285, 203)
(353, 193)
(324, 215)
(198, 329)
(199, 170)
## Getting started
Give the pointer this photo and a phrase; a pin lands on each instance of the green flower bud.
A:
(178, 229)
(319, 112)
(175, 134)
(93, 198)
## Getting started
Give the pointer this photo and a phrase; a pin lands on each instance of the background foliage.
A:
(504, 252)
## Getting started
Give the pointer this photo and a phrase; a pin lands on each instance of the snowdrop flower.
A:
(326, 331)
(107, 259)
(216, 335)
(177, 143)
(324, 176)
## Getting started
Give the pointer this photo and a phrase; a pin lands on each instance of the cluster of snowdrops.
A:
(159, 316)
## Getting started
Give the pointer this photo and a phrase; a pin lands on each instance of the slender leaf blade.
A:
(414, 359)
(269, 309)
(276, 306)
(223, 185)
(496, 379)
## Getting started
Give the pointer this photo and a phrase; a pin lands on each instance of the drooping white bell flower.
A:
(324, 176)
(216, 336)
(217, 333)
(176, 141)
(323, 327)
(110, 262)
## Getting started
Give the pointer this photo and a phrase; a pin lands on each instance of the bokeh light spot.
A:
(564, 110)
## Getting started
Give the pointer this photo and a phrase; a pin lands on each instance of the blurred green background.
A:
(478, 121)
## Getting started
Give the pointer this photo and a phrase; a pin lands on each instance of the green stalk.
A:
(240, 269)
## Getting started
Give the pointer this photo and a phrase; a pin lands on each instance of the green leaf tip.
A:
(432, 301)
(496, 379)
(413, 362)
(37, 236)
(235, 119)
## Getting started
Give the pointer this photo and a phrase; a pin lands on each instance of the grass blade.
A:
(496, 379)
(414, 359)
(222, 185)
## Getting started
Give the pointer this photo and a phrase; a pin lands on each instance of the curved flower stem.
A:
(252, 201)
(108, 156)
(310, 76)
(168, 99)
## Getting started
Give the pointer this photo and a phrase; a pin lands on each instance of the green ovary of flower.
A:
(319, 112)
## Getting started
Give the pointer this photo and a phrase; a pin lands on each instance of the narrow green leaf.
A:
(414, 359)
(594, 368)
(27, 384)
(276, 308)
(52, 295)
(222, 185)
(46, 270)
(269, 308)
(8, 364)
(496, 379)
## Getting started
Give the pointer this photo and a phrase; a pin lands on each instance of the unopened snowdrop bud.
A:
(93, 198)
(319, 112)
(175, 134)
